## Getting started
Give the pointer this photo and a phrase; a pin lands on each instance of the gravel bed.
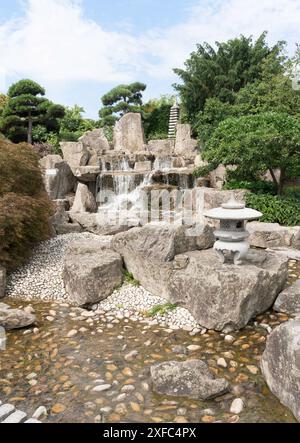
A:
(41, 279)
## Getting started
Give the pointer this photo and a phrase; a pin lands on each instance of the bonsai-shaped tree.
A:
(27, 106)
(119, 101)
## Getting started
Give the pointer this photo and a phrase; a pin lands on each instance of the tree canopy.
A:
(220, 73)
(119, 101)
(256, 144)
(26, 107)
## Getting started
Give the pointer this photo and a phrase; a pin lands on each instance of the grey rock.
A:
(94, 223)
(288, 300)
(84, 200)
(272, 235)
(75, 154)
(15, 318)
(280, 364)
(2, 281)
(129, 134)
(61, 220)
(90, 277)
(191, 379)
(184, 144)
(6, 410)
(58, 177)
(224, 296)
(148, 252)
(15, 417)
(96, 142)
(161, 147)
(87, 173)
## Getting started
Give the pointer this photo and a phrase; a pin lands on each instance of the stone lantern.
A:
(232, 234)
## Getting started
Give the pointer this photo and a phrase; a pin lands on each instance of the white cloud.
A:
(55, 43)
(219, 20)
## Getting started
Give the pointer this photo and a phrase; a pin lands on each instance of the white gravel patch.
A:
(41, 279)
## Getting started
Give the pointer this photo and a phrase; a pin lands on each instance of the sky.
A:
(80, 49)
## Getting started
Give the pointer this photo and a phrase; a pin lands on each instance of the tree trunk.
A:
(29, 132)
(281, 180)
(274, 179)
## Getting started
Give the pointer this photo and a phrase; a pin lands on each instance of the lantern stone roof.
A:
(233, 210)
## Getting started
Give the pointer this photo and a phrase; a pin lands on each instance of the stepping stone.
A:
(16, 417)
(33, 420)
(6, 410)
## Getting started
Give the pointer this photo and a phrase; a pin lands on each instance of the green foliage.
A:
(256, 144)
(27, 107)
(161, 309)
(119, 101)
(24, 206)
(129, 278)
(156, 115)
(275, 209)
(292, 192)
(257, 187)
(73, 125)
(220, 73)
(203, 171)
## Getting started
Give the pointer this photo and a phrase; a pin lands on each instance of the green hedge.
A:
(275, 209)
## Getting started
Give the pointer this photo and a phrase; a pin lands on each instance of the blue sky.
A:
(79, 49)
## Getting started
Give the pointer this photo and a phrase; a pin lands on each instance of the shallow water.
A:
(48, 368)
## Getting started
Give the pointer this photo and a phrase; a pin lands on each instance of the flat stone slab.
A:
(225, 297)
(6, 410)
(16, 417)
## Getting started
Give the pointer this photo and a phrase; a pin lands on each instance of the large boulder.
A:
(97, 224)
(270, 235)
(288, 300)
(225, 296)
(161, 147)
(96, 143)
(191, 379)
(280, 364)
(15, 318)
(84, 200)
(87, 173)
(148, 252)
(2, 281)
(75, 154)
(185, 145)
(91, 273)
(58, 177)
(129, 134)
(61, 221)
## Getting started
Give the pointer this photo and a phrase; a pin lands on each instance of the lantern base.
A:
(237, 249)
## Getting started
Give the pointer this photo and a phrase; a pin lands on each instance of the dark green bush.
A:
(275, 209)
(257, 187)
(24, 206)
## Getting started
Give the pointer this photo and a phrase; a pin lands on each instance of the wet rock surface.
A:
(191, 379)
(281, 364)
(288, 300)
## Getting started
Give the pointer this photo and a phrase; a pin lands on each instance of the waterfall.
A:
(162, 163)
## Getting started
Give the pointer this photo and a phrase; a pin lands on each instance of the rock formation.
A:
(280, 364)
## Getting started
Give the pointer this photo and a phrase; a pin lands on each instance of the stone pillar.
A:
(129, 133)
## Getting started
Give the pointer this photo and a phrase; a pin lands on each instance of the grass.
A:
(161, 309)
(129, 278)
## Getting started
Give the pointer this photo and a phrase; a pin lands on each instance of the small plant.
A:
(129, 278)
(275, 209)
(161, 309)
